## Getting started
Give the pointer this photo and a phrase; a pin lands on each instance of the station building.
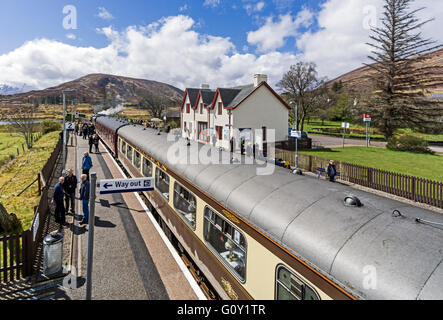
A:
(235, 118)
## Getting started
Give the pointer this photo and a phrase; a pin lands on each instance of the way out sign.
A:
(126, 185)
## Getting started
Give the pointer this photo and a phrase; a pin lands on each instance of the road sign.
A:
(345, 125)
(69, 126)
(296, 134)
(126, 185)
(367, 118)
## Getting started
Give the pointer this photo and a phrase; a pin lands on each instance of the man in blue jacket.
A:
(84, 197)
(58, 198)
(86, 164)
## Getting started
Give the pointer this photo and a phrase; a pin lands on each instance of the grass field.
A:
(359, 130)
(419, 165)
(11, 144)
(20, 173)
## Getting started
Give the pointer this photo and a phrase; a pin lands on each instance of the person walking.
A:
(86, 164)
(96, 142)
(57, 198)
(84, 197)
(332, 171)
(70, 185)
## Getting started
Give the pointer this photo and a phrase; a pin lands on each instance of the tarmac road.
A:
(334, 142)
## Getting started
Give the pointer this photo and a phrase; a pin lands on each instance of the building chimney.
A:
(259, 78)
(204, 86)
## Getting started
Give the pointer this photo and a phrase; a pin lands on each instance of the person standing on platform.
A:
(85, 131)
(70, 185)
(91, 143)
(86, 164)
(58, 198)
(84, 197)
(96, 142)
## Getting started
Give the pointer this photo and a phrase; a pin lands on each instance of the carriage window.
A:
(162, 183)
(227, 241)
(290, 287)
(137, 160)
(185, 204)
(147, 168)
(129, 153)
(123, 150)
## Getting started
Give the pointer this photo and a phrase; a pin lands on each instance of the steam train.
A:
(282, 236)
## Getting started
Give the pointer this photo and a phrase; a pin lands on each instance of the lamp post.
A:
(297, 170)
(64, 126)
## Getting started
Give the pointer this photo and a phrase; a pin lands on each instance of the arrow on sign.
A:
(106, 185)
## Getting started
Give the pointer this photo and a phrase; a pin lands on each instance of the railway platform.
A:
(132, 259)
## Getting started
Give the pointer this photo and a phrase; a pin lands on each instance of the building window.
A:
(137, 160)
(202, 131)
(219, 132)
(188, 108)
(201, 108)
(123, 149)
(290, 287)
(220, 108)
(264, 133)
(227, 241)
(129, 153)
(147, 168)
(162, 183)
(185, 204)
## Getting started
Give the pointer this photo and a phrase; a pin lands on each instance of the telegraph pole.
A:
(93, 185)
(64, 126)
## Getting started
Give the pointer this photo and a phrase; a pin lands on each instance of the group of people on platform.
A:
(64, 195)
(85, 130)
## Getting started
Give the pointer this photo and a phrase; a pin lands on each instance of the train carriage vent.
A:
(352, 201)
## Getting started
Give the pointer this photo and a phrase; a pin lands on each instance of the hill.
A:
(91, 88)
(358, 81)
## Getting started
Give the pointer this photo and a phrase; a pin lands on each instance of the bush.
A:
(408, 143)
(50, 126)
(173, 124)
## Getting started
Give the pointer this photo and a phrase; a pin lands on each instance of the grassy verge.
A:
(11, 145)
(358, 130)
(419, 165)
(19, 174)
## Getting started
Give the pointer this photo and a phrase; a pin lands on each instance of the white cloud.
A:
(339, 46)
(211, 3)
(273, 35)
(254, 7)
(183, 8)
(169, 50)
(71, 36)
(104, 14)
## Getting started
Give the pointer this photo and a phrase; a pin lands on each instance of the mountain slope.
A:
(358, 81)
(92, 88)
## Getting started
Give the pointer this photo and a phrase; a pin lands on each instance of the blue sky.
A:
(26, 20)
(186, 42)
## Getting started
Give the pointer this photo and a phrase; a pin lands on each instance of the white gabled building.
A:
(217, 116)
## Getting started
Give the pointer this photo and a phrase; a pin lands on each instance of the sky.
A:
(187, 42)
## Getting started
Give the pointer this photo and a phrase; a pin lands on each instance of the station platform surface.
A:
(131, 259)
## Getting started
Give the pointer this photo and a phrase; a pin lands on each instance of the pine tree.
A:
(400, 76)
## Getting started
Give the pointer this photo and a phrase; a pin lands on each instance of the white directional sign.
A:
(70, 126)
(345, 125)
(126, 185)
(296, 134)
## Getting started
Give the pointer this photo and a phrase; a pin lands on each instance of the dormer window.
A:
(201, 108)
(188, 108)
(220, 108)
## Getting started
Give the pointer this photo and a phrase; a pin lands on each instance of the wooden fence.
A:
(18, 251)
(409, 187)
